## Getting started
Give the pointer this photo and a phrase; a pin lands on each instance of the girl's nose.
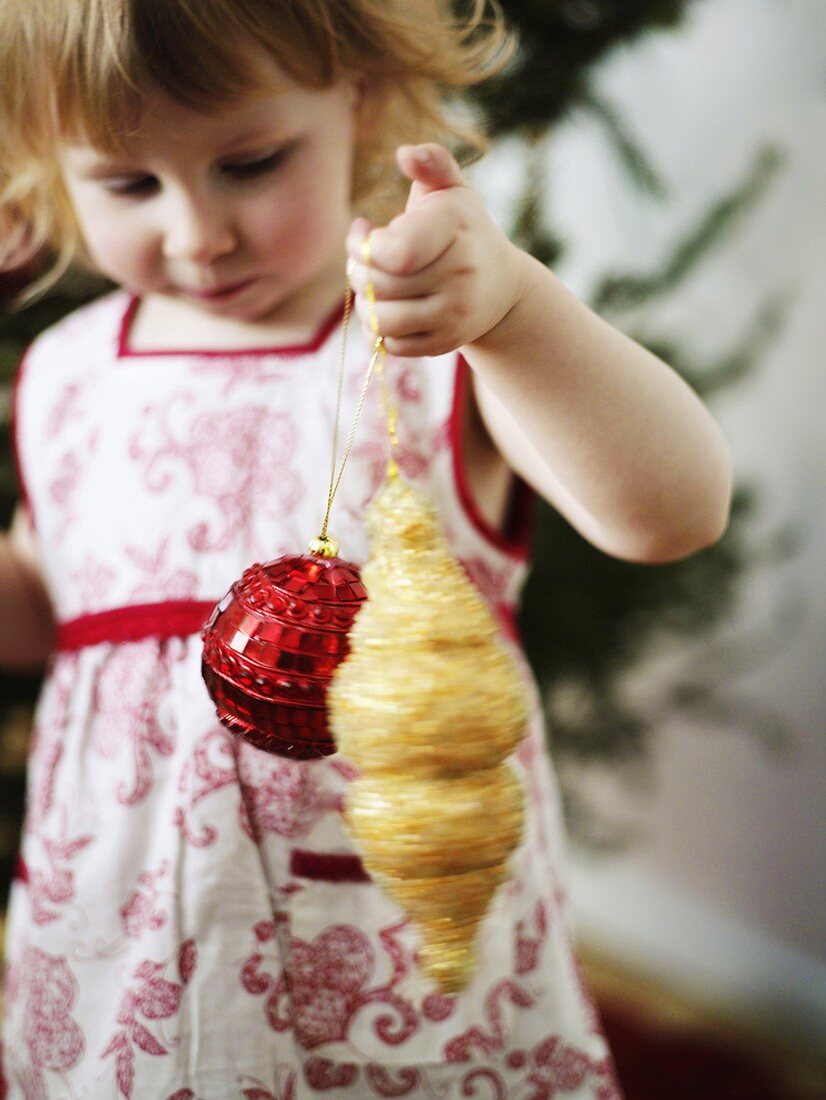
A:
(198, 231)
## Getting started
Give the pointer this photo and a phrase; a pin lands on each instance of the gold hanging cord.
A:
(325, 545)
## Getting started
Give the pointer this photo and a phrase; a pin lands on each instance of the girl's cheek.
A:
(119, 255)
(280, 223)
(97, 226)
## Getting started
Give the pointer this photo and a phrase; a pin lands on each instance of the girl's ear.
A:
(358, 89)
(366, 103)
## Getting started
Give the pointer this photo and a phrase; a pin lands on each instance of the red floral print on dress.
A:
(276, 795)
(93, 581)
(528, 948)
(326, 985)
(127, 717)
(66, 479)
(242, 370)
(438, 1007)
(279, 796)
(153, 997)
(48, 991)
(55, 887)
(141, 912)
(557, 1067)
(284, 1087)
(441, 436)
(400, 1082)
(462, 1047)
(211, 768)
(46, 746)
(528, 754)
(67, 472)
(321, 1074)
(52, 885)
(47, 749)
(62, 489)
(67, 407)
(492, 583)
(161, 579)
(238, 461)
(497, 1089)
(408, 382)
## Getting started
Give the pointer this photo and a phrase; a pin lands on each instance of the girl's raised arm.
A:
(601, 427)
(27, 625)
(609, 434)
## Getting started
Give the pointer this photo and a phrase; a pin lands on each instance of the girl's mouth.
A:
(219, 293)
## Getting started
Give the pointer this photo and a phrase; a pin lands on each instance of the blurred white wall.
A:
(723, 894)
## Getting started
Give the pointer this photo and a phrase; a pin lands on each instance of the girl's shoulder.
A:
(68, 357)
(91, 329)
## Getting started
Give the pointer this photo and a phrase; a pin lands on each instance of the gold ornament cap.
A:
(324, 546)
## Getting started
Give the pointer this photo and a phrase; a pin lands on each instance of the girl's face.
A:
(240, 214)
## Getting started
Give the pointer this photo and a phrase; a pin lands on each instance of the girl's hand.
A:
(443, 273)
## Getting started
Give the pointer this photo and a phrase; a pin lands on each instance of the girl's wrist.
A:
(515, 272)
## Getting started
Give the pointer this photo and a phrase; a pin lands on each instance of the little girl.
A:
(190, 918)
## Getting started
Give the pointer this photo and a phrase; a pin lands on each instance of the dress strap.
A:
(133, 623)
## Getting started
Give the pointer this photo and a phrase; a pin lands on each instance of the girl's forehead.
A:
(264, 115)
(270, 111)
(137, 111)
(162, 114)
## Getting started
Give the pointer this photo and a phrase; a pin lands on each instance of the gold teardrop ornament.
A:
(428, 705)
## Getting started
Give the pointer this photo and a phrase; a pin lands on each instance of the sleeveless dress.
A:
(190, 919)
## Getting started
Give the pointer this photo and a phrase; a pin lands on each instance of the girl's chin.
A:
(256, 301)
(242, 307)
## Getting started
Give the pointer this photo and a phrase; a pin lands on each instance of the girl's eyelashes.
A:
(131, 187)
(145, 186)
(258, 167)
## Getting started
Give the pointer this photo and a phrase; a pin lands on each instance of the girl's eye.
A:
(259, 167)
(132, 187)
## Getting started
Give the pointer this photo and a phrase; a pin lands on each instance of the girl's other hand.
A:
(443, 274)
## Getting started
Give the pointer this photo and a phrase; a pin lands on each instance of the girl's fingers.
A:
(409, 262)
(400, 287)
(359, 229)
(400, 319)
(416, 346)
(429, 167)
(411, 242)
(387, 287)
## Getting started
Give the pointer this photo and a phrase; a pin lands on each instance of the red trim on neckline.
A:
(318, 338)
(133, 623)
(519, 523)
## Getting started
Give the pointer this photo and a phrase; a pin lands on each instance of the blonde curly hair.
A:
(80, 68)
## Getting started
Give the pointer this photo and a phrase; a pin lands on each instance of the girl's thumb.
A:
(430, 167)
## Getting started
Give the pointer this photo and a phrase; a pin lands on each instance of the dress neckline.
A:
(307, 347)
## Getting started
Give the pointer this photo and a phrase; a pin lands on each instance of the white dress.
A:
(190, 920)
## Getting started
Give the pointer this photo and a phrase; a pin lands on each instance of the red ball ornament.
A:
(271, 646)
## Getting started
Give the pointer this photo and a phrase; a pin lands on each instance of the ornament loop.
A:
(324, 546)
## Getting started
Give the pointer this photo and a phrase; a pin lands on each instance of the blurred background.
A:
(668, 158)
